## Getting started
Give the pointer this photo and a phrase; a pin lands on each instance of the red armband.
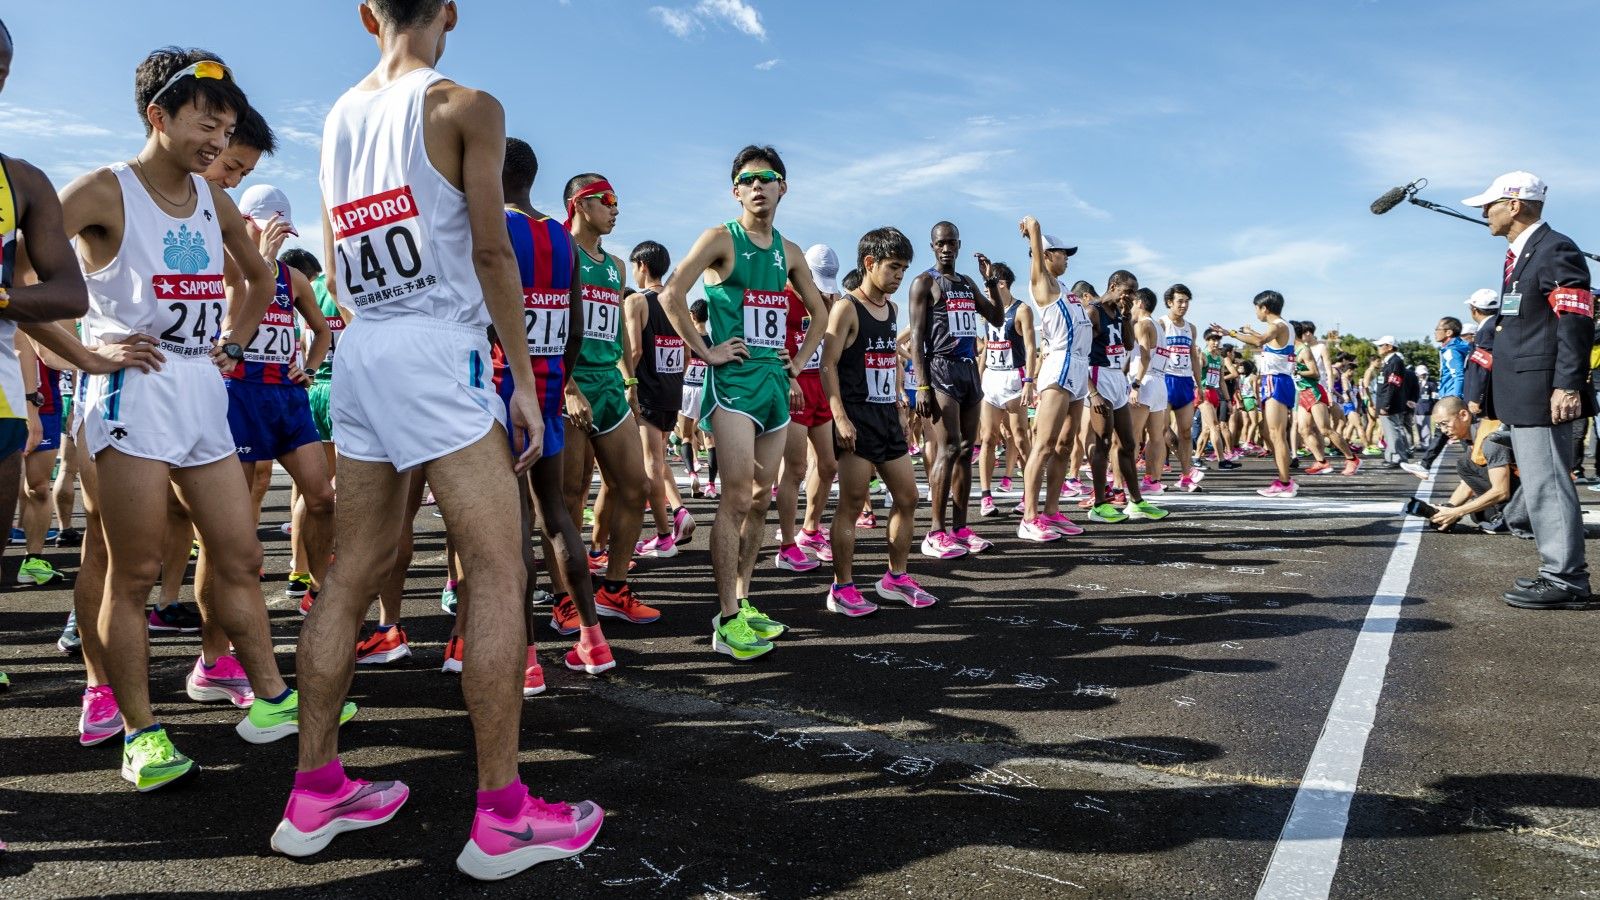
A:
(1572, 300)
(1482, 358)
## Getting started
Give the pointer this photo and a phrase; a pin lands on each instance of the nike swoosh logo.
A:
(525, 835)
(362, 794)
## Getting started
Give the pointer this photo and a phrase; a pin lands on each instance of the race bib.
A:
(880, 376)
(961, 312)
(380, 243)
(602, 310)
(274, 340)
(669, 355)
(1115, 353)
(997, 354)
(1213, 379)
(695, 374)
(188, 313)
(336, 325)
(911, 378)
(765, 315)
(545, 316)
(814, 364)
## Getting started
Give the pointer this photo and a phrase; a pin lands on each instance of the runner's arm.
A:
(989, 307)
(710, 250)
(56, 289)
(305, 303)
(569, 358)
(1041, 283)
(630, 354)
(240, 320)
(635, 309)
(921, 300)
(330, 263)
(841, 333)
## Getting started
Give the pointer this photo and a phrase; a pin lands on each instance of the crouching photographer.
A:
(1490, 490)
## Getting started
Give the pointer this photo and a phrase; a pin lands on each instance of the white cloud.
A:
(47, 124)
(686, 20)
(768, 65)
(1295, 261)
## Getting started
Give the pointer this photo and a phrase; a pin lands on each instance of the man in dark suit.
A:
(1540, 385)
(1394, 397)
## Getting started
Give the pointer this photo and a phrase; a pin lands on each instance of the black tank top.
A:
(867, 365)
(952, 319)
(661, 359)
(1004, 344)
(1107, 334)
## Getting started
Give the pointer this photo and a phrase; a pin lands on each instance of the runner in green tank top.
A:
(751, 382)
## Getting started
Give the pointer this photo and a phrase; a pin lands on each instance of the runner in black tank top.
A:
(1109, 412)
(946, 308)
(860, 376)
(659, 360)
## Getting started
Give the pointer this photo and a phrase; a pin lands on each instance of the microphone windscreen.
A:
(1388, 201)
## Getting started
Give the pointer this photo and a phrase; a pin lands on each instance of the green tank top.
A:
(751, 303)
(1212, 376)
(602, 310)
(336, 323)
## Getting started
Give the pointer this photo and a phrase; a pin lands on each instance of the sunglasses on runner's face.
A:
(205, 68)
(606, 198)
(765, 176)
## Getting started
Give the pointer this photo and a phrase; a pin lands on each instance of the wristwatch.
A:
(233, 351)
(36, 398)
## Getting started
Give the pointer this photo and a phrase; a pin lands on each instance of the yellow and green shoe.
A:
(267, 722)
(735, 638)
(150, 761)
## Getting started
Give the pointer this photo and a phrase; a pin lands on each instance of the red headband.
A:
(599, 187)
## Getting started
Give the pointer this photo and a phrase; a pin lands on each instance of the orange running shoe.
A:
(623, 604)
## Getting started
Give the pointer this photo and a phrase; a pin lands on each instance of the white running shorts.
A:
(178, 415)
(1153, 392)
(1001, 387)
(1061, 369)
(1112, 385)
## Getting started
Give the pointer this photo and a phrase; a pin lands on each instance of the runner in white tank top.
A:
(1149, 386)
(1060, 373)
(1181, 343)
(410, 160)
(152, 235)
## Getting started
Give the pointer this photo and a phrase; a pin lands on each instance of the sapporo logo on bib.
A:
(880, 376)
(274, 340)
(669, 354)
(961, 312)
(999, 353)
(381, 248)
(189, 304)
(765, 317)
(602, 308)
(545, 316)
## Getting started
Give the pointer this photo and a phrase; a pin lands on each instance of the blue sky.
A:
(1233, 146)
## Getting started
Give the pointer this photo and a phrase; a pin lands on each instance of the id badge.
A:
(1511, 304)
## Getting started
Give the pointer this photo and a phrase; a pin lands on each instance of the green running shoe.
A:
(150, 761)
(1144, 509)
(447, 598)
(765, 628)
(1107, 514)
(588, 517)
(267, 722)
(35, 571)
(5, 681)
(735, 638)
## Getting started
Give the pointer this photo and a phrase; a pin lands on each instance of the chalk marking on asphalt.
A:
(1264, 624)
(1197, 671)
(1121, 744)
(1042, 875)
(1307, 853)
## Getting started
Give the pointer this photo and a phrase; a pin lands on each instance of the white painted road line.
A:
(1307, 854)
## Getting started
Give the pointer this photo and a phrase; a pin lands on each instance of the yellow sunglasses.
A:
(205, 68)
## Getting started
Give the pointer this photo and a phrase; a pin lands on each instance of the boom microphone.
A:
(1393, 197)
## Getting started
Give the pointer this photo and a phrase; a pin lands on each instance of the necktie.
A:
(1511, 263)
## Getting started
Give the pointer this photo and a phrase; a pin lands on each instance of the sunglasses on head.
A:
(765, 176)
(205, 68)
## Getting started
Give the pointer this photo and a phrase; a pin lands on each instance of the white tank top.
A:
(401, 231)
(1177, 344)
(1158, 353)
(166, 279)
(1064, 326)
(1319, 354)
(11, 399)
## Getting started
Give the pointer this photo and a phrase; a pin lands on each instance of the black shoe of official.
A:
(69, 537)
(1229, 464)
(1545, 594)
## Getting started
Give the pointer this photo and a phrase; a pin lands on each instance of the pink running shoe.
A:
(532, 676)
(794, 559)
(1280, 490)
(906, 590)
(1061, 524)
(1351, 467)
(657, 547)
(500, 848)
(820, 544)
(940, 545)
(1037, 530)
(225, 680)
(867, 520)
(683, 525)
(974, 544)
(913, 450)
(847, 601)
(311, 821)
(1005, 482)
(987, 508)
(711, 492)
(1070, 488)
(1150, 486)
(101, 718)
(1196, 475)
(594, 660)
(1188, 485)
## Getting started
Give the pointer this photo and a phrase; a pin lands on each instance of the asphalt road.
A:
(1129, 713)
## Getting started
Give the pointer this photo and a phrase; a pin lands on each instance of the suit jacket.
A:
(1480, 364)
(1542, 349)
(1392, 390)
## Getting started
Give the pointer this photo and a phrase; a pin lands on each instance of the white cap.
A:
(1051, 242)
(1469, 328)
(1511, 186)
(260, 202)
(824, 265)
(1386, 339)
(1420, 369)
(1484, 299)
